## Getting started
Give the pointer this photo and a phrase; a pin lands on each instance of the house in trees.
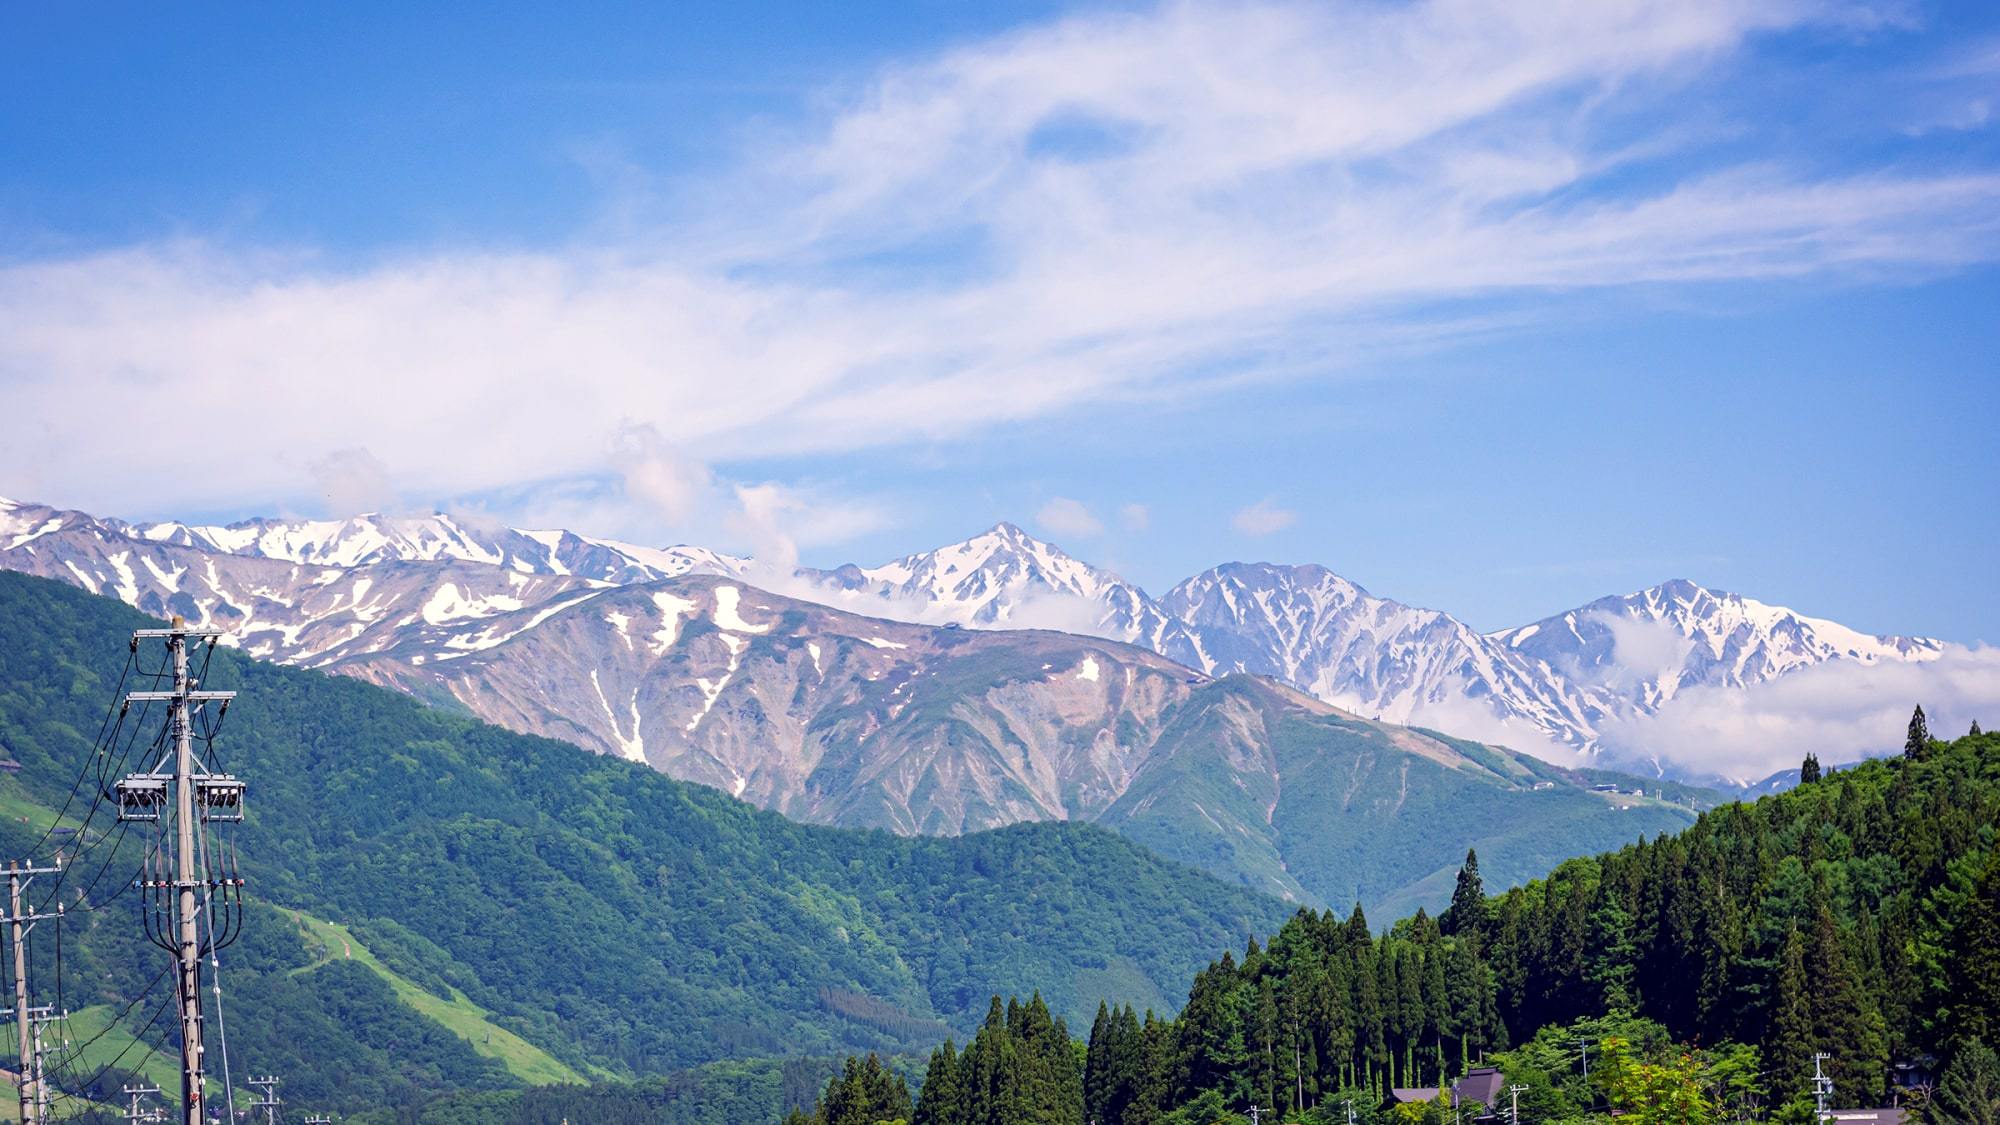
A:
(1483, 1085)
(1866, 1116)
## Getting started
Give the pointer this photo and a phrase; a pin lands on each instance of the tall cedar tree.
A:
(1918, 743)
(1019, 1069)
(943, 1100)
(864, 1093)
(1809, 771)
(1974, 966)
(1969, 1092)
(1467, 912)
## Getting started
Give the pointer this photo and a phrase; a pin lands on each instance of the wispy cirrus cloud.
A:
(1108, 206)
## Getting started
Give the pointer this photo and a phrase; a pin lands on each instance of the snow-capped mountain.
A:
(372, 538)
(1004, 578)
(316, 592)
(1649, 646)
(324, 592)
(1313, 628)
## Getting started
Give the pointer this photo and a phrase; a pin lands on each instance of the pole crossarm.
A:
(173, 696)
(178, 631)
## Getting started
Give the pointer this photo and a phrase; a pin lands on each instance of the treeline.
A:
(1858, 916)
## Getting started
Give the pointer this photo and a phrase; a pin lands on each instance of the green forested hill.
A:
(619, 922)
(1857, 915)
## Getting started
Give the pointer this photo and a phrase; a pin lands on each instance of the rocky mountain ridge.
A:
(325, 592)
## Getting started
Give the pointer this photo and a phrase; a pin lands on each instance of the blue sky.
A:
(1488, 309)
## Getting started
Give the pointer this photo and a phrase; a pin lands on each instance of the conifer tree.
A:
(1975, 732)
(1097, 1073)
(1357, 933)
(1263, 1035)
(1846, 1023)
(1974, 965)
(1467, 912)
(865, 1093)
(942, 1100)
(1809, 771)
(1969, 1091)
(1789, 1048)
(1918, 744)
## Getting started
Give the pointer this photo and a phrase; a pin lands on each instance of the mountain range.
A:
(316, 592)
(672, 657)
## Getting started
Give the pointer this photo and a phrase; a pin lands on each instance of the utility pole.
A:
(1584, 1046)
(1822, 1085)
(18, 925)
(269, 1099)
(37, 1019)
(1514, 1107)
(1350, 1111)
(132, 1096)
(195, 793)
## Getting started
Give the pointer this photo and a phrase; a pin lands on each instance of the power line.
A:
(138, 1040)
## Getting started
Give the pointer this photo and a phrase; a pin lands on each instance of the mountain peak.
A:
(1014, 535)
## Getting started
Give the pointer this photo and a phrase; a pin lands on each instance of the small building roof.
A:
(1481, 1084)
(1867, 1116)
(1414, 1093)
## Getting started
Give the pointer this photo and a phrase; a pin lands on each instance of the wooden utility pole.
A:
(19, 922)
(197, 796)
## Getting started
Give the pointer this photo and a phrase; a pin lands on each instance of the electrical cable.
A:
(84, 768)
(138, 1038)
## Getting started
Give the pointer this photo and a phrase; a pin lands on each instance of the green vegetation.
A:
(863, 1093)
(443, 1003)
(724, 1093)
(1858, 915)
(1367, 813)
(518, 909)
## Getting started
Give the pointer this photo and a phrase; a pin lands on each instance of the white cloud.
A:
(352, 481)
(1840, 710)
(1644, 649)
(657, 475)
(1263, 518)
(1476, 721)
(1064, 516)
(1267, 190)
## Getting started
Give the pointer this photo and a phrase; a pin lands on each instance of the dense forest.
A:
(566, 913)
(1856, 916)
